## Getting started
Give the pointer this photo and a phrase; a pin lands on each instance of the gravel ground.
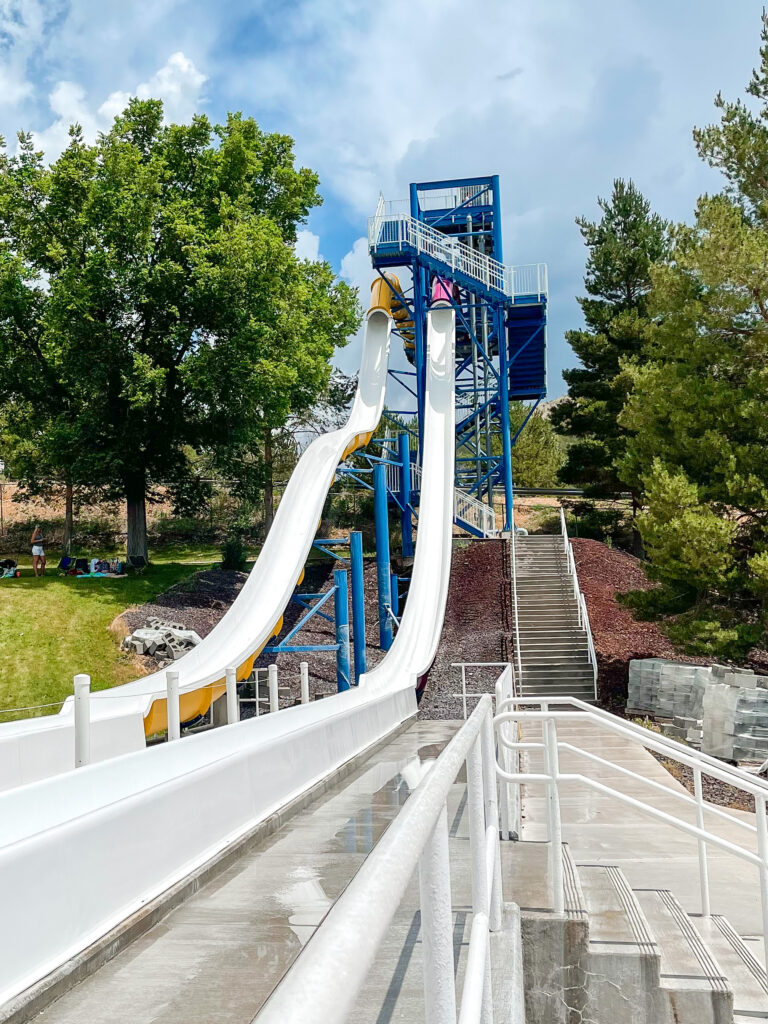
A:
(477, 627)
(714, 791)
(476, 624)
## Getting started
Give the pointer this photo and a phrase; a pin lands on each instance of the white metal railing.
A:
(518, 654)
(514, 711)
(465, 507)
(401, 231)
(581, 603)
(352, 932)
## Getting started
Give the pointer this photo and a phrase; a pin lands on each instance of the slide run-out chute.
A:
(130, 827)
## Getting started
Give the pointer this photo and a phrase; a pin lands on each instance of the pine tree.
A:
(698, 409)
(622, 246)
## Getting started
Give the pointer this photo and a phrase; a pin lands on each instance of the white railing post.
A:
(492, 821)
(274, 702)
(702, 844)
(555, 825)
(233, 711)
(518, 656)
(304, 670)
(82, 688)
(464, 690)
(762, 850)
(172, 704)
(437, 926)
(476, 804)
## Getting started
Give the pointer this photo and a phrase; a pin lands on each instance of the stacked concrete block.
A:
(164, 641)
(751, 723)
(722, 710)
(644, 678)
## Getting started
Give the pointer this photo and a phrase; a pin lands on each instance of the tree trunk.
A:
(269, 494)
(136, 509)
(68, 518)
(637, 540)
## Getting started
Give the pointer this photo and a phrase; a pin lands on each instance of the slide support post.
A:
(341, 608)
(394, 582)
(506, 441)
(406, 527)
(358, 602)
(381, 526)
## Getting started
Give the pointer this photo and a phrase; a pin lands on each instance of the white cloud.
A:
(178, 83)
(23, 25)
(307, 245)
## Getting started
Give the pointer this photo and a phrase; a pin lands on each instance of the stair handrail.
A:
(581, 602)
(518, 657)
(514, 712)
(477, 513)
(387, 229)
(353, 930)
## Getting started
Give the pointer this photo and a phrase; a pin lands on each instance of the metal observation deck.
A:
(452, 230)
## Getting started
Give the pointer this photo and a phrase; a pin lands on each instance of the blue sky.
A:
(557, 97)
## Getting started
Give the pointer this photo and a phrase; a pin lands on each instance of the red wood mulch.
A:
(618, 636)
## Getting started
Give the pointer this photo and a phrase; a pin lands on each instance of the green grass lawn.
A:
(55, 627)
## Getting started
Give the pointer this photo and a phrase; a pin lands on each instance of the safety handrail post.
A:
(762, 851)
(702, 845)
(555, 823)
(437, 926)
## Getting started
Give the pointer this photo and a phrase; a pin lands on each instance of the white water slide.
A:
(121, 717)
(92, 846)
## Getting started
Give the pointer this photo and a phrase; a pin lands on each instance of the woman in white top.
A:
(38, 552)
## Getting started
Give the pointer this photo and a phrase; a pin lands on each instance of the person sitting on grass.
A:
(38, 552)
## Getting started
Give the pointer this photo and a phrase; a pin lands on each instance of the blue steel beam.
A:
(381, 528)
(358, 602)
(343, 677)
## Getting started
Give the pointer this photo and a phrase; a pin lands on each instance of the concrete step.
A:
(693, 985)
(746, 975)
(536, 690)
(624, 958)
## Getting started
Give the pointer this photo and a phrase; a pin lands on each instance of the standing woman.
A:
(38, 553)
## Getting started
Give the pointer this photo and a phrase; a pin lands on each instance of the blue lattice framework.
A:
(452, 230)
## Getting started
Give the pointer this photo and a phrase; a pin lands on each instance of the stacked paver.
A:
(164, 641)
(724, 711)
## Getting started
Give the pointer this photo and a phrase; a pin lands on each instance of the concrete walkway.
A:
(652, 854)
(217, 957)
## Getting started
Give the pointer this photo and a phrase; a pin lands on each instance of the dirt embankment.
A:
(618, 636)
(477, 627)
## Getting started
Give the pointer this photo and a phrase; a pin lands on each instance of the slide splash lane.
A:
(88, 849)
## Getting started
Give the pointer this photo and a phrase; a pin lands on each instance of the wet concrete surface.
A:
(217, 957)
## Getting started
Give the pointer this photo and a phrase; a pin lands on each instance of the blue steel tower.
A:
(450, 232)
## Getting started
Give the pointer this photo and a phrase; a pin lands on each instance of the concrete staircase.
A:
(554, 650)
(630, 956)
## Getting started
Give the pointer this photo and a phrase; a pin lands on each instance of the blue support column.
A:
(394, 582)
(420, 346)
(497, 250)
(406, 526)
(381, 526)
(341, 607)
(358, 602)
(506, 441)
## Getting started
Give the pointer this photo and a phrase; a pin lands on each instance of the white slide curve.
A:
(82, 851)
(36, 748)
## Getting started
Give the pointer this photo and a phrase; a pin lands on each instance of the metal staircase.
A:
(555, 654)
